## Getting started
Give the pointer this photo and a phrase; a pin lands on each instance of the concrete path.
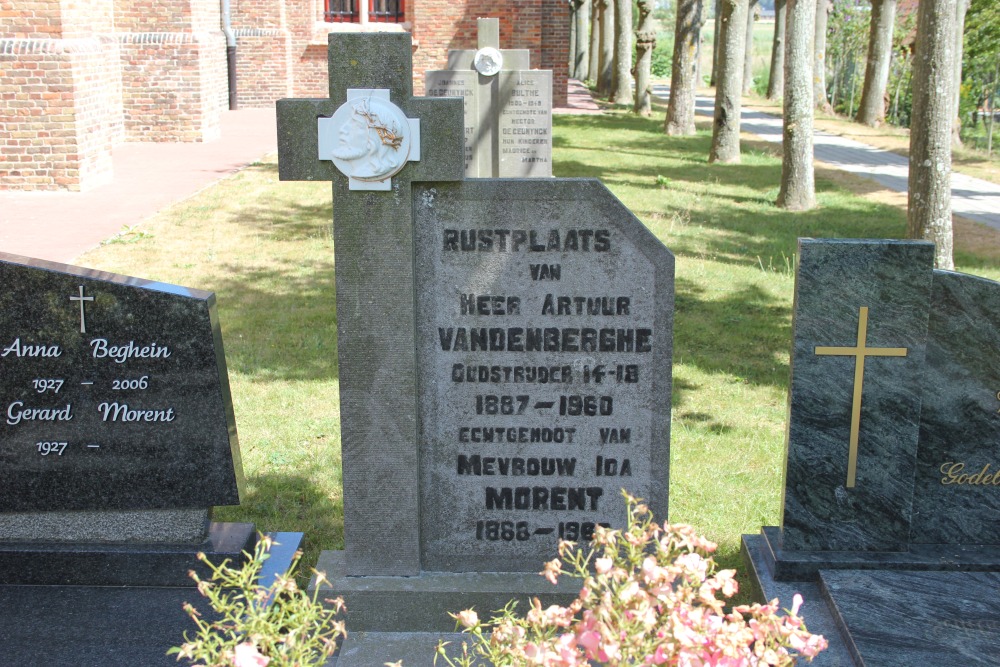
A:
(971, 198)
(60, 226)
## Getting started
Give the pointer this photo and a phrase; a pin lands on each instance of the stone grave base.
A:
(786, 565)
(415, 649)
(422, 603)
(892, 616)
(121, 564)
(108, 625)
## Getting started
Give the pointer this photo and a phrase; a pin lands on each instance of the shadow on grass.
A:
(736, 201)
(746, 333)
(279, 501)
(279, 323)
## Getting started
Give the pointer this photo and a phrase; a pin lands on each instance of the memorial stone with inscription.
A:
(892, 493)
(508, 107)
(505, 357)
(117, 439)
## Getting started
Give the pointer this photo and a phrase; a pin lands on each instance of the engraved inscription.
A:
(539, 354)
(954, 474)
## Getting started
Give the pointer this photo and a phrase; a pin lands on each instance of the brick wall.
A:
(60, 94)
(174, 78)
(264, 71)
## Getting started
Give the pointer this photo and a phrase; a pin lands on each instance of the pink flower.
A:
(603, 565)
(552, 571)
(247, 655)
(468, 618)
(796, 603)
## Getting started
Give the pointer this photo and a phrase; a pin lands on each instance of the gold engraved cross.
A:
(859, 352)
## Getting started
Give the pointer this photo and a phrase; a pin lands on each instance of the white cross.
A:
(81, 299)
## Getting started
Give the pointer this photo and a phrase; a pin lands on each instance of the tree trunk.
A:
(728, 89)
(717, 27)
(798, 191)
(819, 59)
(929, 203)
(883, 19)
(595, 40)
(645, 42)
(581, 41)
(680, 109)
(776, 82)
(961, 7)
(754, 7)
(606, 70)
(621, 91)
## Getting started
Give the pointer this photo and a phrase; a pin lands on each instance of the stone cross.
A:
(488, 37)
(488, 78)
(373, 234)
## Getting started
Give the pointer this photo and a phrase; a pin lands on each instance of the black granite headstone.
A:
(892, 485)
(114, 393)
(117, 438)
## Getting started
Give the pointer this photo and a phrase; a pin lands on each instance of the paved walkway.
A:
(60, 226)
(971, 198)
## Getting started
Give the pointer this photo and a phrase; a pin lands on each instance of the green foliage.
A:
(981, 70)
(281, 622)
(662, 62)
(846, 50)
(899, 89)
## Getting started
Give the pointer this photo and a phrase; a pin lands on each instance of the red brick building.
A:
(78, 77)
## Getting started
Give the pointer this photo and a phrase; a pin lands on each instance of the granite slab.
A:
(945, 619)
(110, 626)
(804, 565)
(121, 564)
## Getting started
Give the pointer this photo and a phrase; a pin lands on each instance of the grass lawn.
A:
(266, 249)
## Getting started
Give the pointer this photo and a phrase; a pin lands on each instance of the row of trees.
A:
(798, 78)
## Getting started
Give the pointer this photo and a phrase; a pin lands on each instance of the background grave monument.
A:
(117, 439)
(508, 107)
(493, 398)
(892, 499)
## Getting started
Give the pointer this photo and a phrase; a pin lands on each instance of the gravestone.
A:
(891, 492)
(118, 438)
(508, 107)
(504, 351)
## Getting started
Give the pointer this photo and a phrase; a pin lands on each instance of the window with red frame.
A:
(386, 11)
(379, 11)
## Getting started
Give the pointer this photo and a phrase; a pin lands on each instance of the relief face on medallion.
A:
(370, 138)
(488, 61)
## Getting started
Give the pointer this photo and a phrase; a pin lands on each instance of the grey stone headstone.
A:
(956, 497)
(418, 535)
(464, 84)
(114, 391)
(525, 124)
(508, 115)
(544, 344)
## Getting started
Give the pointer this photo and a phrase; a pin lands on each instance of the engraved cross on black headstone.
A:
(376, 326)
